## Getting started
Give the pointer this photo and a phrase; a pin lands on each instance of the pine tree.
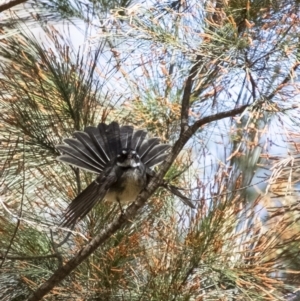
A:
(215, 79)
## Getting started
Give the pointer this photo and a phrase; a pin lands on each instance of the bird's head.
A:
(128, 158)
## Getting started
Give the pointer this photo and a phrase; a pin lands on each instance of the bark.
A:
(10, 5)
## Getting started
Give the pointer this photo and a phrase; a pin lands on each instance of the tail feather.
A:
(99, 143)
(113, 139)
(78, 158)
(83, 152)
(154, 153)
(126, 133)
(77, 163)
(103, 130)
(156, 160)
(137, 139)
(147, 146)
(89, 147)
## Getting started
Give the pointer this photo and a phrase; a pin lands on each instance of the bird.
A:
(123, 160)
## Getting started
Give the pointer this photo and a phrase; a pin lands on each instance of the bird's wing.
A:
(173, 189)
(88, 198)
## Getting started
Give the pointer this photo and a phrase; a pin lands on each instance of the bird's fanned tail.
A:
(126, 133)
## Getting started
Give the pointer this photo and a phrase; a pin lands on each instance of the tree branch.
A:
(131, 211)
(284, 81)
(187, 92)
(10, 4)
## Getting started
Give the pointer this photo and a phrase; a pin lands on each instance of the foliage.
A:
(162, 66)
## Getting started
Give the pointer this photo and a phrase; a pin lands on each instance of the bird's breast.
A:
(127, 188)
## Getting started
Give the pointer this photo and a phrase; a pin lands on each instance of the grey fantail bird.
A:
(121, 157)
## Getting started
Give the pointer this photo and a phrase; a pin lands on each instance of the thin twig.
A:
(28, 257)
(21, 208)
(55, 228)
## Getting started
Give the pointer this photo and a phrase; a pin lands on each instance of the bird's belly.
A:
(126, 196)
(127, 188)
